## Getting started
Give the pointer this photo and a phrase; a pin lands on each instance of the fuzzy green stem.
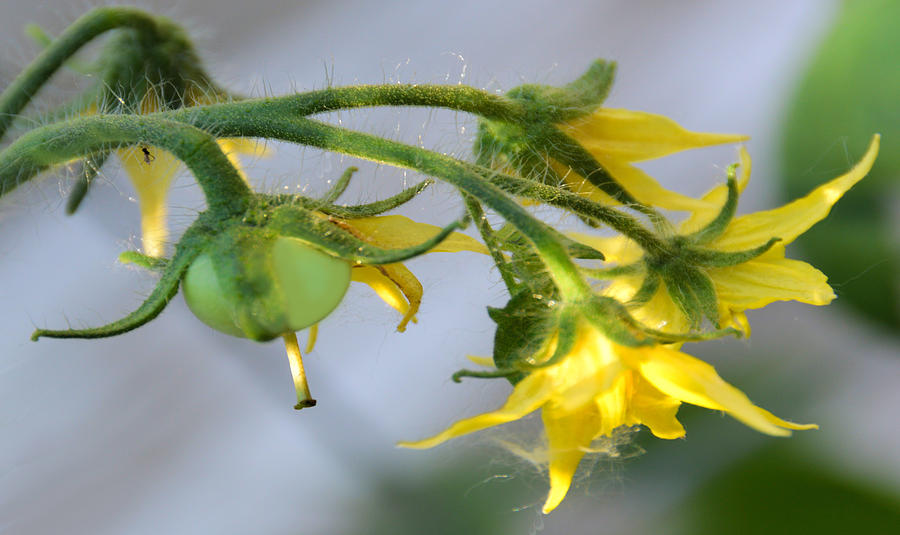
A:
(41, 148)
(615, 219)
(17, 95)
(490, 239)
(572, 287)
(458, 98)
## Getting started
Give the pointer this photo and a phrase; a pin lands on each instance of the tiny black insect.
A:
(147, 156)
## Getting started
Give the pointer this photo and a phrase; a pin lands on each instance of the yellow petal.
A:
(661, 313)
(395, 285)
(691, 380)
(398, 232)
(639, 184)
(527, 396)
(569, 434)
(481, 361)
(152, 175)
(654, 409)
(646, 189)
(793, 219)
(716, 197)
(633, 136)
(769, 278)
(232, 147)
(612, 404)
(313, 336)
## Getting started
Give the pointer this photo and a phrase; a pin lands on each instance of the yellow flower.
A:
(601, 385)
(617, 138)
(151, 171)
(394, 283)
(753, 284)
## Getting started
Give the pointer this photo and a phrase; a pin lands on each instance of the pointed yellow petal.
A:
(795, 218)
(639, 184)
(527, 396)
(397, 232)
(481, 361)
(693, 381)
(313, 336)
(569, 434)
(655, 410)
(395, 285)
(633, 136)
(646, 189)
(769, 278)
(612, 404)
(411, 288)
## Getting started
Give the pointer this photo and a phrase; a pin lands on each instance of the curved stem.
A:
(225, 190)
(571, 285)
(458, 98)
(615, 219)
(17, 95)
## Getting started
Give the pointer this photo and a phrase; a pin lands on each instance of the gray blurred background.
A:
(175, 428)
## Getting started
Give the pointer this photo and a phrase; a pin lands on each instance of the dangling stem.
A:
(20, 91)
(304, 398)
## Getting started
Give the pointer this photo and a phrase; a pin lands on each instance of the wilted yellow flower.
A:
(601, 385)
(151, 171)
(753, 284)
(394, 283)
(618, 138)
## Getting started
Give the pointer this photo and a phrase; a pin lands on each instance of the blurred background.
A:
(175, 428)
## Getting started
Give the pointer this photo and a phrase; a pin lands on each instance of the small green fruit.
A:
(264, 288)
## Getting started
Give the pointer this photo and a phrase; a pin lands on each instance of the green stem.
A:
(41, 148)
(615, 219)
(571, 285)
(490, 239)
(17, 95)
(458, 98)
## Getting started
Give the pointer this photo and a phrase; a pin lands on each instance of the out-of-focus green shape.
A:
(851, 91)
(464, 496)
(776, 490)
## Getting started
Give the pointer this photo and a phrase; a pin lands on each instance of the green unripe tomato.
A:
(264, 290)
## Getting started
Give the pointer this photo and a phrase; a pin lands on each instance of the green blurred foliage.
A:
(776, 490)
(464, 496)
(852, 90)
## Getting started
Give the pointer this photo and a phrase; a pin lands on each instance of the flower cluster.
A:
(591, 334)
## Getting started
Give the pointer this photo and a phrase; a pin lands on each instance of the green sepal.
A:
(298, 222)
(717, 226)
(377, 207)
(88, 171)
(614, 321)
(712, 258)
(693, 291)
(613, 272)
(340, 186)
(646, 292)
(151, 263)
(525, 326)
(557, 104)
(457, 377)
(186, 251)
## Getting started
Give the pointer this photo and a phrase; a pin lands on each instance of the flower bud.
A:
(262, 287)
